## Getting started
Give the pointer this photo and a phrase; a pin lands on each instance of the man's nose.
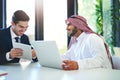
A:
(67, 28)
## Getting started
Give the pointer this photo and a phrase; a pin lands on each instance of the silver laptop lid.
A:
(47, 53)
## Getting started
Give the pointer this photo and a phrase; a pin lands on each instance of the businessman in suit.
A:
(19, 25)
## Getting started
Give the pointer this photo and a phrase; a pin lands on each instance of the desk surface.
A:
(33, 71)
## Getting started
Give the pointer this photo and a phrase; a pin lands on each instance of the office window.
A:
(55, 13)
(86, 8)
(29, 7)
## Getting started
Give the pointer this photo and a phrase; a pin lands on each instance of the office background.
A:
(48, 18)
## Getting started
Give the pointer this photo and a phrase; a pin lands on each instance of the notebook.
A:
(48, 54)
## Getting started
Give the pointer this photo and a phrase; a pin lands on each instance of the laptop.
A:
(47, 53)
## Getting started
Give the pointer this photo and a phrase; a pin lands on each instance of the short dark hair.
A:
(20, 15)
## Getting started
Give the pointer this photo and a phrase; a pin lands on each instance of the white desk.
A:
(34, 71)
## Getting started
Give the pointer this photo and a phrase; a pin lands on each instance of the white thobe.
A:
(89, 51)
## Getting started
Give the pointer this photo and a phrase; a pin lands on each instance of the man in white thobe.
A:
(87, 49)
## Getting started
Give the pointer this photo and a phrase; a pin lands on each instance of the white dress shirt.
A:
(89, 51)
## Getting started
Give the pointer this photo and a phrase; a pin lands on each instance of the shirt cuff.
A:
(8, 56)
(80, 64)
(34, 57)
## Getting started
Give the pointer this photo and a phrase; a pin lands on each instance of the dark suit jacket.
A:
(6, 45)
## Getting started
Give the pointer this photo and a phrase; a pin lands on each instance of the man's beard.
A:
(74, 31)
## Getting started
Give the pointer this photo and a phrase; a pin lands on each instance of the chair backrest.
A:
(116, 51)
(116, 62)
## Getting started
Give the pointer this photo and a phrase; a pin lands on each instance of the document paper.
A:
(26, 50)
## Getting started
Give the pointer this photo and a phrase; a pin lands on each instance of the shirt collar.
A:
(81, 36)
(13, 34)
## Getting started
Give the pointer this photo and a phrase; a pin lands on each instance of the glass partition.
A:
(55, 13)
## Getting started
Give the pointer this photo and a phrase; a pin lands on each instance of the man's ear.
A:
(12, 23)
